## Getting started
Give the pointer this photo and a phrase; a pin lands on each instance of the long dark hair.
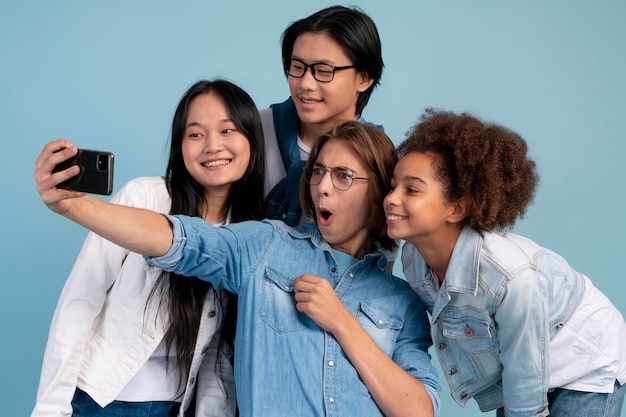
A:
(184, 296)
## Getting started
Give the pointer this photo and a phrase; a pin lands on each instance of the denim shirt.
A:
(502, 300)
(283, 361)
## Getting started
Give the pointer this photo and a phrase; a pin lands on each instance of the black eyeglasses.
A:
(323, 73)
(341, 177)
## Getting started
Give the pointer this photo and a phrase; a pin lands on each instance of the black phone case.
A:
(93, 178)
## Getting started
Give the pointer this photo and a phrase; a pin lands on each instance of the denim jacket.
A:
(284, 362)
(502, 300)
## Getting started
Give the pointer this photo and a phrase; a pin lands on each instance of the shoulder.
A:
(145, 192)
(509, 251)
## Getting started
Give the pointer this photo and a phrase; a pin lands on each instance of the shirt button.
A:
(284, 216)
(452, 372)
(463, 395)
(468, 331)
(211, 313)
(333, 270)
(351, 275)
(331, 363)
(331, 399)
(380, 322)
(442, 346)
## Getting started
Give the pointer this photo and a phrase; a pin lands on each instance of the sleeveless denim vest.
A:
(283, 202)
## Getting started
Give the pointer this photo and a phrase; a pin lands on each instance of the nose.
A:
(325, 186)
(390, 199)
(213, 143)
(307, 81)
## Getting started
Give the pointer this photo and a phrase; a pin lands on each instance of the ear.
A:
(460, 208)
(365, 81)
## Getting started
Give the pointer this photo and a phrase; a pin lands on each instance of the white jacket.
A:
(102, 333)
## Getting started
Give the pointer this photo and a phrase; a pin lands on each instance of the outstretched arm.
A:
(138, 230)
(396, 392)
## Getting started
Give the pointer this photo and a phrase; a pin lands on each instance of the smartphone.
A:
(96, 172)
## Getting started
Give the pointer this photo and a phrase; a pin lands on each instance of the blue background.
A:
(108, 75)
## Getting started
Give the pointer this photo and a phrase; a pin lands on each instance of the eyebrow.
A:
(329, 168)
(410, 178)
(327, 62)
(194, 124)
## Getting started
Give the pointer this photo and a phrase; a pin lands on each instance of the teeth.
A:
(393, 217)
(216, 163)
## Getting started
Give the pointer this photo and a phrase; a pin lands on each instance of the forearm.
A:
(396, 392)
(138, 230)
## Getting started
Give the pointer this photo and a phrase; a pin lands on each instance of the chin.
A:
(393, 235)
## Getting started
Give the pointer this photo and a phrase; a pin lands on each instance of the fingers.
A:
(55, 152)
(52, 154)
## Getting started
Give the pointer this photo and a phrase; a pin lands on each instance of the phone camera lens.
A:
(103, 162)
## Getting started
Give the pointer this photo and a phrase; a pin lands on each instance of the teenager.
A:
(513, 325)
(130, 339)
(332, 61)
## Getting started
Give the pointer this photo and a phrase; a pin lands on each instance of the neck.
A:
(310, 133)
(437, 249)
(357, 247)
(215, 210)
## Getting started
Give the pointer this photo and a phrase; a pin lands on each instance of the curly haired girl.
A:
(513, 325)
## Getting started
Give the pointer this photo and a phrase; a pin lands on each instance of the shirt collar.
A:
(462, 272)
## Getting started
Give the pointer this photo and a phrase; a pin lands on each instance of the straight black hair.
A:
(184, 296)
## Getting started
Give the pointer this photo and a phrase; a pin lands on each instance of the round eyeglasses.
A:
(341, 177)
(323, 73)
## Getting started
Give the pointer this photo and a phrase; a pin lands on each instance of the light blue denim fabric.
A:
(502, 300)
(568, 403)
(284, 362)
(84, 406)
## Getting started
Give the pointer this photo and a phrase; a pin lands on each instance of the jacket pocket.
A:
(278, 304)
(470, 334)
(383, 325)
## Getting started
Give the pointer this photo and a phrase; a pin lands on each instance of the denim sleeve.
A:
(168, 261)
(523, 335)
(411, 351)
(223, 256)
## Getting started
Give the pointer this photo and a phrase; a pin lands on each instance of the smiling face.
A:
(342, 216)
(321, 105)
(215, 152)
(416, 208)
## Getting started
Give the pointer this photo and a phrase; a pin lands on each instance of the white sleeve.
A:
(79, 305)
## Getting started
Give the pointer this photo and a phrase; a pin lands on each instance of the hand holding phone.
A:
(96, 172)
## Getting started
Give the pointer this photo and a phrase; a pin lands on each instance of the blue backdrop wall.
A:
(107, 75)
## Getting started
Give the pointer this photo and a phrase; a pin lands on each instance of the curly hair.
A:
(484, 162)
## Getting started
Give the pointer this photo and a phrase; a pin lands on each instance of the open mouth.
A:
(324, 217)
(394, 218)
(308, 100)
(220, 162)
